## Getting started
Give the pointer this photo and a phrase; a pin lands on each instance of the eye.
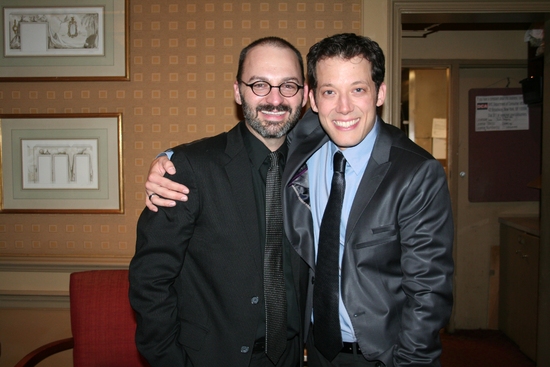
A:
(260, 85)
(291, 87)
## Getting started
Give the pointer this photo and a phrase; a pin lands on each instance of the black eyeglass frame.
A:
(251, 85)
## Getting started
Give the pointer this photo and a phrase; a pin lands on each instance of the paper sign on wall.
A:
(439, 128)
(494, 113)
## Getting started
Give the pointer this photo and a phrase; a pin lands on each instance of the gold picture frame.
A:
(61, 163)
(57, 40)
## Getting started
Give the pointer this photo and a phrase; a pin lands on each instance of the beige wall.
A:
(183, 59)
(22, 330)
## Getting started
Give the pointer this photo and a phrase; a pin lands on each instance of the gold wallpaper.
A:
(183, 59)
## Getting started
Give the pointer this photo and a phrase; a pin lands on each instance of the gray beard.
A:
(263, 128)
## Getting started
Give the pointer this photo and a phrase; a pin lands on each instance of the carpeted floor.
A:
(481, 348)
(476, 348)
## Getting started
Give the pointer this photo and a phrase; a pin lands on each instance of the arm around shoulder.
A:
(160, 189)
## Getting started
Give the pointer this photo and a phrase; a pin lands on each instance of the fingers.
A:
(166, 189)
(152, 207)
(156, 181)
(167, 165)
(153, 201)
(160, 190)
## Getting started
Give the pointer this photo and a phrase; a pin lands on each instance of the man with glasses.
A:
(211, 281)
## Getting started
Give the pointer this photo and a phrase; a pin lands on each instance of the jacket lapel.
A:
(240, 178)
(301, 150)
(378, 166)
(308, 137)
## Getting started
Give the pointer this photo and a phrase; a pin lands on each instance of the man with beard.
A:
(198, 282)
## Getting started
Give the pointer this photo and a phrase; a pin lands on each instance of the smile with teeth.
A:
(345, 124)
(275, 113)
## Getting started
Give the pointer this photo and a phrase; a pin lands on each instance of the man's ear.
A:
(381, 95)
(306, 93)
(236, 92)
(312, 101)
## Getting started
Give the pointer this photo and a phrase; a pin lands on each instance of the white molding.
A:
(61, 264)
(23, 300)
(49, 265)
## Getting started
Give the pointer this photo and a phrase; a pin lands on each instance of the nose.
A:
(274, 97)
(344, 105)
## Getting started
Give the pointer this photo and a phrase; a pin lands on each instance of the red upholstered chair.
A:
(102, 323)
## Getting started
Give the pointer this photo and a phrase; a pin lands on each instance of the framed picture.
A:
(61, 40)
(61, 163)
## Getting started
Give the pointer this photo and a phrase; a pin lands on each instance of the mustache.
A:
(271, 108)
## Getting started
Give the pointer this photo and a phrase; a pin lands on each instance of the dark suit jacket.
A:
(397, 267)
(196, 279)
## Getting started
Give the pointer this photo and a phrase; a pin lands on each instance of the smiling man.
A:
(381, 261)
(206, 271)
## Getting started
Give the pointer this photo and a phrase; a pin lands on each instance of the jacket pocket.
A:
(192, 335)
(378, 236)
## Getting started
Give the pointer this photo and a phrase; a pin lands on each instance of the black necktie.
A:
(274, 285)
(326, 329)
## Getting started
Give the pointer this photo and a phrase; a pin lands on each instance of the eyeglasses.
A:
(262, 89)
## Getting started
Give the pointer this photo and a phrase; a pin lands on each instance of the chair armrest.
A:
(43, 352)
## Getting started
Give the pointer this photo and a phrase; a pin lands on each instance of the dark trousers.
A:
(294, 352)
(355, 359)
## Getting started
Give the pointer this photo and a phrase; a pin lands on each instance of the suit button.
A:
(255, 300)
(312, 280)
(244, 349)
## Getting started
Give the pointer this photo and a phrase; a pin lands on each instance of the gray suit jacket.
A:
(196, 280)
(397, 267)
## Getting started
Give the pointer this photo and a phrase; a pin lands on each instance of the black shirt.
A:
(259, 164)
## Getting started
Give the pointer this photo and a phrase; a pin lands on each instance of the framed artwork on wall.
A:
(61, 163)
(63, 41)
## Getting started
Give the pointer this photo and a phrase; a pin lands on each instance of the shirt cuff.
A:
(168, 153)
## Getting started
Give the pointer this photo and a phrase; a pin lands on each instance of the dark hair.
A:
(346, 46)
(269, 41)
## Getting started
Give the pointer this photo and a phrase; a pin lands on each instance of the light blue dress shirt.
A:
(320, 170)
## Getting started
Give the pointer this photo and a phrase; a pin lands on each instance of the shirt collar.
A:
(359, 155)
(257, 151)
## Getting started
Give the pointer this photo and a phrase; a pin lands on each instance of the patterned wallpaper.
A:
(183, 59)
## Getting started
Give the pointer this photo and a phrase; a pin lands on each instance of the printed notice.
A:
(494, 113)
